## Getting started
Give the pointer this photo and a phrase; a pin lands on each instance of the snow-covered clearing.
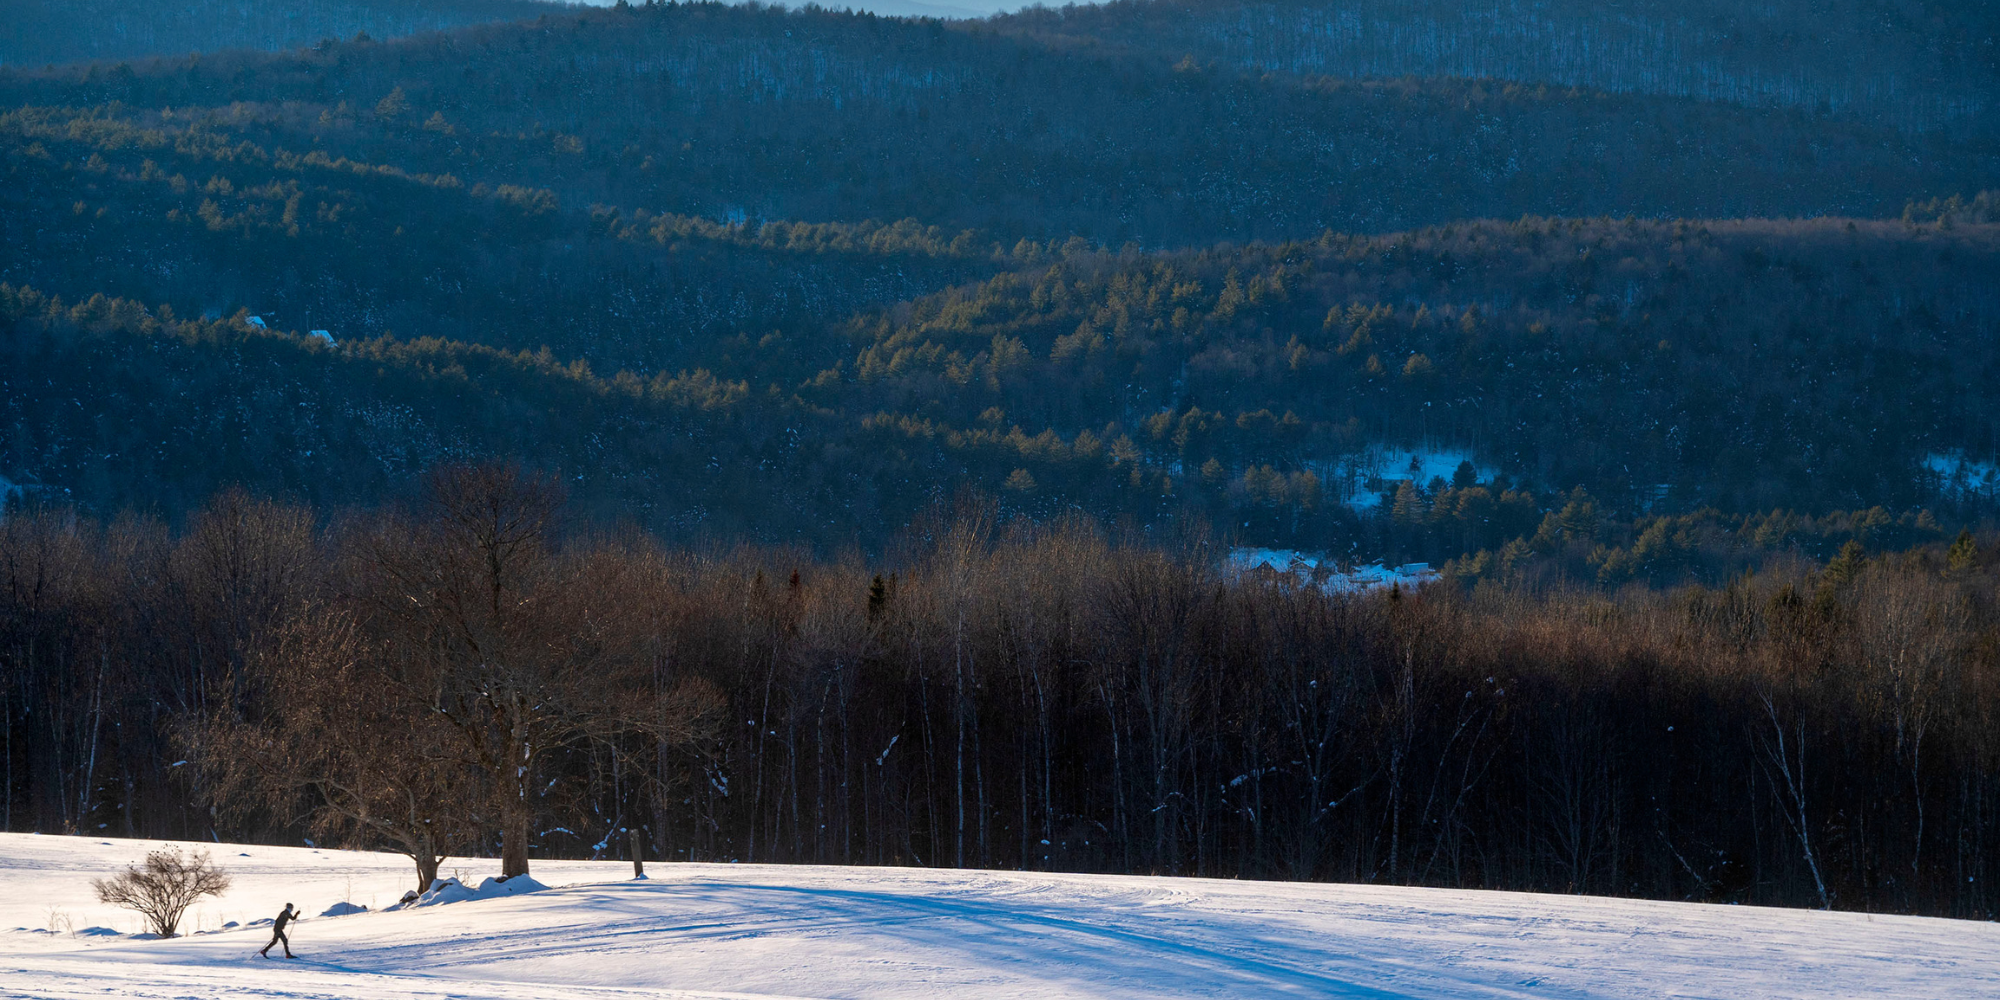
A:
(1963, 477)
(775, 931)
(1349, 477)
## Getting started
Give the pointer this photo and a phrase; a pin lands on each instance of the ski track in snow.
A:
(769, 931)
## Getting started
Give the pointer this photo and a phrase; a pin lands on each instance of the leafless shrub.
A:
(163, 890)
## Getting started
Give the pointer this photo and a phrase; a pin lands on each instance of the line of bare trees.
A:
(467, 674)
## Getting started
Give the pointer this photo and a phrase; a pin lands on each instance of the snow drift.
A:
(451, 890)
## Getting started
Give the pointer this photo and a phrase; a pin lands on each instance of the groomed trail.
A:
(769, 931)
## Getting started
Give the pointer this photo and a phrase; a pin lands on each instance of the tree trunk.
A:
(514, 843)
(958, 749)
(427, 870)
(1790, 764)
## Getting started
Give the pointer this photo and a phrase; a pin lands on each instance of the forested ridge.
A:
(1920, 65)
(1664, 367)
(758, 113)
(61, 31)
(1929, 64)
(869, 415)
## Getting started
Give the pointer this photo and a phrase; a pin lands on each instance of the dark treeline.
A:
(994, 692)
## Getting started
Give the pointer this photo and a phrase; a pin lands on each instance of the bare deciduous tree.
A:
(1908, 632)
(339, 743)
(520, 648)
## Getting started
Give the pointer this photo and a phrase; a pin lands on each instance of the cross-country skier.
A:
(278, 932)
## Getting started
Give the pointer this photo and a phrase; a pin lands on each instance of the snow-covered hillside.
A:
(771, 931)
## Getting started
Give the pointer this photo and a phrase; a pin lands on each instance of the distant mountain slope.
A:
(1913, 63)
(694, 188)
(734, 112)
(39, 32)
(1662, 366)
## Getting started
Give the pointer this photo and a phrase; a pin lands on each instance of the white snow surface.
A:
(1390, 465)
(1372, 576)
(1421, 465)
(451, 890)
(769, 931)
(1962, 475)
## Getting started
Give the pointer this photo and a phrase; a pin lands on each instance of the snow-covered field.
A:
(772, 931)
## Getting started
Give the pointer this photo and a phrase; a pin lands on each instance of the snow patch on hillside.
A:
(1965, 478)
(1384, 466)
(1326, 573)
(1421, 465)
